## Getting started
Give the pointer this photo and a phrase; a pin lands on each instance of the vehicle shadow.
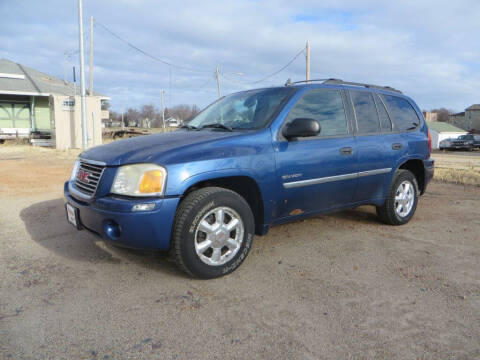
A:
(363, 214)
(47, 225)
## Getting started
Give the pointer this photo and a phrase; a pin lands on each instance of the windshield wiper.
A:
(217, 126)
(188, 127)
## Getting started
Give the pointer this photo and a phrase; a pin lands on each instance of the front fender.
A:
(215, 174)
(179, 181)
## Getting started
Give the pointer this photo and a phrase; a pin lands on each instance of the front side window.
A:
(246, 110)
(326, 106)
(365, 112)
(403, 115)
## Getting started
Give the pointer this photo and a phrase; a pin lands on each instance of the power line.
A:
(146, 53)
(265, 77)
(280, 70)
(86, 37)
(234, 80)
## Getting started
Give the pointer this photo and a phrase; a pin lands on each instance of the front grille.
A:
(87, 177)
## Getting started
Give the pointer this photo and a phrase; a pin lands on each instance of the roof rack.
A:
(341, 82)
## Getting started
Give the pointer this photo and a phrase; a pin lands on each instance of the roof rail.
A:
(341, 82)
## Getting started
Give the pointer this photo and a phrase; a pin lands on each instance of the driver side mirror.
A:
(301, 127)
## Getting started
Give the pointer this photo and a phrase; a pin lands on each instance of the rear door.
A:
(316, 173)
(373, 152)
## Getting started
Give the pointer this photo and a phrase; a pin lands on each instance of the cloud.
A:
(427, 49)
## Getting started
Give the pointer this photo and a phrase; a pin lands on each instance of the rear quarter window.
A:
(403, 115)
(365, 112)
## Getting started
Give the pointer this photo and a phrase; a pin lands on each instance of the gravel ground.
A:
(341, 286)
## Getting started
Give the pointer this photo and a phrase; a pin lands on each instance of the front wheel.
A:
(213, 232)
(401, 201)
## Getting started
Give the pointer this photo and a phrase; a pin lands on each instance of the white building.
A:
(36, 105)
(441, 130)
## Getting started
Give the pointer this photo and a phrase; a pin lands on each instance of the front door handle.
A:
(346, 151)
(397, 146)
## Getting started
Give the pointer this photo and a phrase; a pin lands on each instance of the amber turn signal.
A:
(151, 182)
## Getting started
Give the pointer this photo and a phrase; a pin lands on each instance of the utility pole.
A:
(163, 109)
(123, 110)
(217, 75)
(307, 65)
(82, 76)
(74, 84)
(65, 67)
(169, 86)
(90, 58)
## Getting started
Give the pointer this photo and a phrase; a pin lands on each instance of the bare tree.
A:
(183, 112)
(137, 117)
(132, 117)
(443, 114)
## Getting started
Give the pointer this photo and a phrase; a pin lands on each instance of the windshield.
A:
(246, 110)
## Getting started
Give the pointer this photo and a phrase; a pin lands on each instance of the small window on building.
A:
(403, 115)
(366, 112)
(105, 104)
(68, 103)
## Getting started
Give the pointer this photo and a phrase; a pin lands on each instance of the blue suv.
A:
(251, 160)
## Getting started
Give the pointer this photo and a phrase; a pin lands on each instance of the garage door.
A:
(15, 115)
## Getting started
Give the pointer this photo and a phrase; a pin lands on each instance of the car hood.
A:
(158, 148)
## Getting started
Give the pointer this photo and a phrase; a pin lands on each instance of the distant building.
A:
(111, 123)
(441, 130)
(430, 116)
(467, 120)
(34, 104)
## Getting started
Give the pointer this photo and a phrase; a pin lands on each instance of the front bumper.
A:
(112, 219)
(461, 146)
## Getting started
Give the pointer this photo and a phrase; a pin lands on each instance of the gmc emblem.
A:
(83, 175)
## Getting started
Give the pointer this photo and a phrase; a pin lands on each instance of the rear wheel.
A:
(213, 232)
(401, 201)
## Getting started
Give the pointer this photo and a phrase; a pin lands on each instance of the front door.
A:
(316, 173)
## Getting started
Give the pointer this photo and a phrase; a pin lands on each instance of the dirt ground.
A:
(341, 286)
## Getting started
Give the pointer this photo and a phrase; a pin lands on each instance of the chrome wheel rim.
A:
(219, 236)
(404, 198)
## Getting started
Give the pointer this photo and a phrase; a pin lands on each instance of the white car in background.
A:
(445, 144)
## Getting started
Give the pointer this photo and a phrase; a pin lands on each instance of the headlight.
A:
(76, 165)
(139, 180)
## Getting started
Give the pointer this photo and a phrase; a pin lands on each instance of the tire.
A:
(391, 211)
(196, 216)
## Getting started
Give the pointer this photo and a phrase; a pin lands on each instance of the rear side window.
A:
(403, 115)
(383, 115)
(326, 106)
(365, 112)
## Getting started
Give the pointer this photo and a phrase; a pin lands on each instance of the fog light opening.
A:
(112, 230)
(143, 207)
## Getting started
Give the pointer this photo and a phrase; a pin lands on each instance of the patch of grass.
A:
(468, 176)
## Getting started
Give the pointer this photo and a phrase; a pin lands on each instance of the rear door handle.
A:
(346, 151)
(397, 146)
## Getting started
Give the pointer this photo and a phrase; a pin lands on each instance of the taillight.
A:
(429, 142)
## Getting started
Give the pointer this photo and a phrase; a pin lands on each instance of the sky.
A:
(428, 49)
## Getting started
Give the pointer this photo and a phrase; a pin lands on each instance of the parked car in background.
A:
(445, 144)
(251, 160)
(172, 122)
(467, 142)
